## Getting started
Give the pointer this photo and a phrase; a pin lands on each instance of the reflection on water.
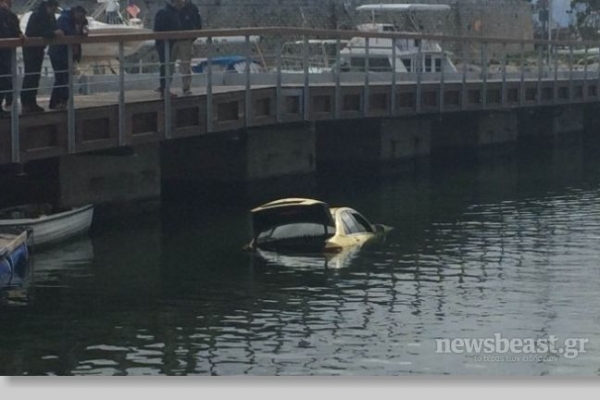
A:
(504, 247)
(299, 261)
(73, 259)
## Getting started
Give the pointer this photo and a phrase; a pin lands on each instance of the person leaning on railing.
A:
(9, 29)
(42, 23)
(166, 20)
(72, 22)
(190, 21)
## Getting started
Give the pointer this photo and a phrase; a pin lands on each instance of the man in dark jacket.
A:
(190, 21)
(42, 23)
(166, 20)
(72, 22)
(9, 29)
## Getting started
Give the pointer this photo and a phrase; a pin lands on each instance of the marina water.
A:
(497, 245)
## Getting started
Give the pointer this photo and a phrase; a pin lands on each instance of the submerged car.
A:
(309, 226)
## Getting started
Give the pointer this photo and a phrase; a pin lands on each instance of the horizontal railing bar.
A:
(276, 31)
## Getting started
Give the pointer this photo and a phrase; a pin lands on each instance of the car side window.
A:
(362, 222)
(350, 224)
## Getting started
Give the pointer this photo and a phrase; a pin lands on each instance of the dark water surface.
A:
(509, 246)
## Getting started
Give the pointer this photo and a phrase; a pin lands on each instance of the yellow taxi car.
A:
(309, 226)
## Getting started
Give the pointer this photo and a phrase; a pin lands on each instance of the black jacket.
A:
(66, 23)
(9, 29)
(166, 20)
(190, 17)
(41, 23)
(9, 24)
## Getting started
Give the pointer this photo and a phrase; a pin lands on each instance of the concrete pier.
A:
(274, 152)
(110, 179)
(373, 140)
(497, 128)
(242, 156)
(550, 122)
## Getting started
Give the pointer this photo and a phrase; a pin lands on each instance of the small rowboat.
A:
(48, 226)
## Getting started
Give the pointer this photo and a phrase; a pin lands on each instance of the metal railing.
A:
(472, 62)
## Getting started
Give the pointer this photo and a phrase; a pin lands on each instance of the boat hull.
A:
(54, 228)
(111, 50)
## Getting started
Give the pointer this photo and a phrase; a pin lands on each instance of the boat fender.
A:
(19, 260)
(5, 271)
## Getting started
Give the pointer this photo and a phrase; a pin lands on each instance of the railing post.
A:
(463, 97)
(278, 90)
(442, 79)
(571, 73)
(419, 76)
(484, 70)
(306, 94)
(121, 95)
(366, 92)
(167, 89)
(338, 91)
(504, 62)
(14, 111)
(540, 73)
(394, 94)
(555, 89)
(248, 93)
(209, 85)
(585, 75)
(71, 101)
(522, 82)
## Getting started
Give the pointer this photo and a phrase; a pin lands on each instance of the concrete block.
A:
(110, 179)
(405, 138)
(281, 151)
(349, 140)
(498, 128)
(568, 119)
(213, 158)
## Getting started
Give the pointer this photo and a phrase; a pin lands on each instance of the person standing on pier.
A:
(190, 21)
(112, 12)
(9, 29)
(72, 22)
(42, 23)
(167, 20)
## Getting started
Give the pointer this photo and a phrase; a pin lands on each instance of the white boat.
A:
(94, 52)
(321, 55)
(48, 227)
(101, 51)
(412, 55)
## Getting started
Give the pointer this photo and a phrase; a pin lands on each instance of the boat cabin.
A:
(412, 55)
(322, 55)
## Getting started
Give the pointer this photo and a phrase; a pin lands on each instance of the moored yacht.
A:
(411, 55)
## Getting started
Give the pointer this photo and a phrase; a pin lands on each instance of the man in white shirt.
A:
(112, 12)
(190, 21)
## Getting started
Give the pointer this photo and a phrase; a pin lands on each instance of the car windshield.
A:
(295, 230)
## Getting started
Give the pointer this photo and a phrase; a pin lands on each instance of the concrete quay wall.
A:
(250, 158)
